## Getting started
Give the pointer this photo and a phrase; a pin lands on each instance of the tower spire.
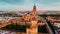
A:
(34, 9)
(34, 4)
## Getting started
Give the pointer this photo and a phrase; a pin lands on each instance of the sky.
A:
(28, 4)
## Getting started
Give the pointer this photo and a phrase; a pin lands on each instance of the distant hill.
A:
(25, 12)
(49, 12)
(52, 12)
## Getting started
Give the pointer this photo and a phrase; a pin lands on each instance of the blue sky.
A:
(28, 4)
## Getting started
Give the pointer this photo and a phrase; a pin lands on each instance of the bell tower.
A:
(33, 29)
(34, 10)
